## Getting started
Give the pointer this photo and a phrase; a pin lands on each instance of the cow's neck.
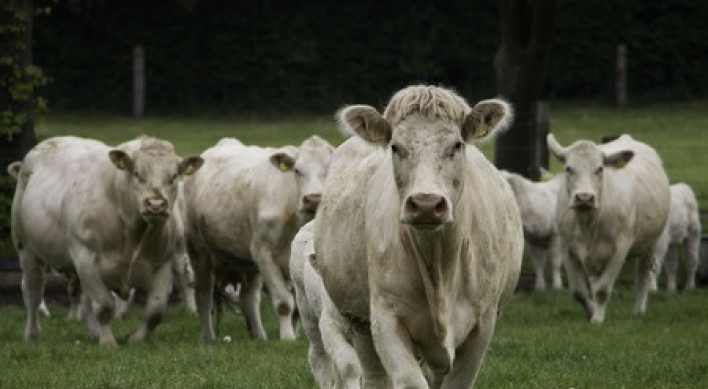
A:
(435, 253)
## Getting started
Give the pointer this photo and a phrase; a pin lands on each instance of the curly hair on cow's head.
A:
(430, 101)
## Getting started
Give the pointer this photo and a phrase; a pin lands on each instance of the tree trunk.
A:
(15, 148)
(520, 65)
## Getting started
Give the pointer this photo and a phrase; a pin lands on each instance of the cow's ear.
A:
(487, 119)
(282, 161)
(544, 175)
(190, 165)
(365, 121)
(120, 159)
(14, 169)
(618, 159)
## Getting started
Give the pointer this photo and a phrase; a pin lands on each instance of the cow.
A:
(682, 231)
(242, 212)
(333, 360)
(418, 237)
(612, 205)
(103, 214)
(537, 204)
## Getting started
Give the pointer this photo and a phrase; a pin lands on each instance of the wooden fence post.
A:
(621, 75)
(138, 81)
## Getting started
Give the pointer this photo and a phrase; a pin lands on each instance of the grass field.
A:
(542, 340)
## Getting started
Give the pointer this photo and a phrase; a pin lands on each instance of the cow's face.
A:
(427, 149)
(152, 180)
(585, 165)
(309, 166)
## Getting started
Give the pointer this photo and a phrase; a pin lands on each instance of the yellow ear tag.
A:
(283, 166)
(482, 131)
(120, 163)
(620, 164)
(188, 170)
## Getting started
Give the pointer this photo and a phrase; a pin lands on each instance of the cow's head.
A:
(585, 165)
(309, 165)
(153, 170)
(425, 129)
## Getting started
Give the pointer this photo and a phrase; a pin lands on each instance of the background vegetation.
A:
(283, 56)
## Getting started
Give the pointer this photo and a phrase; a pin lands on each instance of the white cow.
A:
(332, 358)
(104, 214)
(682, 230)
(243, 211)
(418, 237)
(537, 204)
(613, 204)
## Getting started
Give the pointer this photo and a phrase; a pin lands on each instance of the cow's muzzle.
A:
(584, 201)
(155, 208)
(310, 203)
(426, 209)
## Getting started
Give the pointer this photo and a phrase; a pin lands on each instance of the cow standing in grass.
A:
(418, 237)
(682, 233)
(537, 204)
(613, 203)
(104, 214)
(242, 212)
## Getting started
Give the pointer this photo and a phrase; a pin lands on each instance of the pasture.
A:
(542, 340)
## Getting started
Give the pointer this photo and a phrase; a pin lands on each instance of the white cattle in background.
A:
(537, 204)
(613, 204)
(104, 214)
(243, 211)
(332, 358)
(682, 232)
(418, 237)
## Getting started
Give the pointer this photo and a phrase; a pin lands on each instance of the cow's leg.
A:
(538, 260)
(373, 374)
(578, 285)
(671, 268)
(76, 311)
(102, 302)
(338, 347)
(469, 356)
(395, 349)
(601, 285)
(184, 277)
(644, 269)
(556, 256)
(692, 247)
(123, 306)
(203, 267)
(250, 301)
(280, 294)
(320, 362)
(156, 304)
(32, 291)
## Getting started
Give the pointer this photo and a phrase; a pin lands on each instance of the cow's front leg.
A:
(281, 297)
(102, 305)
(156, 304)
(250, 301)
(469, 356)
(601, 286)
(578, 285)
(374, 375)
(538, 260)
(395, 348)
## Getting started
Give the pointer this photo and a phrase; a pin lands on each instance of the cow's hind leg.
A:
(538, 260)
(644, 269)
(692, 247)
(671, 268)
(156, 304)
(32, 292)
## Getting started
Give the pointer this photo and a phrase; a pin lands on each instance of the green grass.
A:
(542, 341)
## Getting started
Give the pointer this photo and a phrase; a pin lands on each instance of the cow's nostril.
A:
(426, 208)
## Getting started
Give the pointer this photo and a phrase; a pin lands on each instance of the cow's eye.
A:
(297, 172)
(138, 177)
(599, 170)
(456, 148)
(395, 149)
(569, 170)
(174, 178)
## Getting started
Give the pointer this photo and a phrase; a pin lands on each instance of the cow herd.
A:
(399, 248)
